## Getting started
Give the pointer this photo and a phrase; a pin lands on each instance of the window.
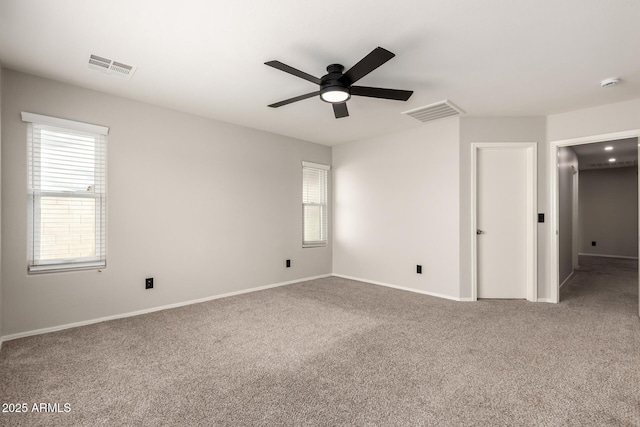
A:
(67, 194)
(314, 204)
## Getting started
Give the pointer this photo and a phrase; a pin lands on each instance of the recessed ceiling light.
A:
(611, 160)
(610, 82)
(608, 148)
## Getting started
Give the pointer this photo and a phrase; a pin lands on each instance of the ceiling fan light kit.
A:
(335, 95)
(332, 90)
(336, 87)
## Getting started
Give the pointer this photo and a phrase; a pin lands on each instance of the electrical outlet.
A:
(148, 283)
(419, 269)
(288, 263)
(593, 243)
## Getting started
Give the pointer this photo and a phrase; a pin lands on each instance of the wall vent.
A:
(609, 165)
(434, 111)
(109, 66)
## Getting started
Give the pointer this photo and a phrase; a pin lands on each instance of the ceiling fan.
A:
(337, 87)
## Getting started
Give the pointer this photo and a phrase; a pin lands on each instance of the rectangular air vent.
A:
(434, 111)
(609, 165)
(109, 66)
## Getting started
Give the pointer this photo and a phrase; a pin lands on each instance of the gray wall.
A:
(567, 164)
(500, 129)
(204, 207)
(609, 211)
(192, 182)
(597, 123)
(396, 206)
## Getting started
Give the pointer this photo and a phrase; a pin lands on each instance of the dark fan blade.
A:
(287, 69)
(297, 98)
(373, 60)
(340, 110)
(378, 92)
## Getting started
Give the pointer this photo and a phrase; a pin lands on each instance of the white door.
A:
(504, 218)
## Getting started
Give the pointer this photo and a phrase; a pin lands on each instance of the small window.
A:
(314, 204)
(67, 194)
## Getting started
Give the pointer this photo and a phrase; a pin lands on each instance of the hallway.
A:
(608, 285)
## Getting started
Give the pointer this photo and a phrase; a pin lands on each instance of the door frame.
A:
(575, 219)
(532, 207)
(554, 204)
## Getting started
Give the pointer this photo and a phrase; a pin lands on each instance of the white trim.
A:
(547, 300)
(609, 256)
(532, 231)
(554, 279)
(64, 123)
(567, 279)
(633, 133)
(315, 165)
(153, 309)
(575, 230)
(66, 265)
(402, 288)
(314, 245)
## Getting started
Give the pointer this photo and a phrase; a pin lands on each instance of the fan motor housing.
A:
(331, 82)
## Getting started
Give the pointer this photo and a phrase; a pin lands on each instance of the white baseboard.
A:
(609, 256)
(549, 300)
(151, 310)
(566, 280)
(402, 288)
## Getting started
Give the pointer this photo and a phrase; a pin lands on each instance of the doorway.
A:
(555, 237)
(504, 220)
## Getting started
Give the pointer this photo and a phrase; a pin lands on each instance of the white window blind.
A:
(314, 204)
(67, 194)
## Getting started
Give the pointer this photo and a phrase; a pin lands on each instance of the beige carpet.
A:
(338, 352)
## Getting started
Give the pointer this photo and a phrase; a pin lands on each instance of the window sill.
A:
(314, 245)
(59, 268)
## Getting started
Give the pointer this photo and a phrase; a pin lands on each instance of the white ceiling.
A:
(490, 57)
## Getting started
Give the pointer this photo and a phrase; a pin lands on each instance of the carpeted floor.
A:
(337, 352)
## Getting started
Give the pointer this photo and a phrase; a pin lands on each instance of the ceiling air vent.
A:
(109, 66)
(435, 111)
